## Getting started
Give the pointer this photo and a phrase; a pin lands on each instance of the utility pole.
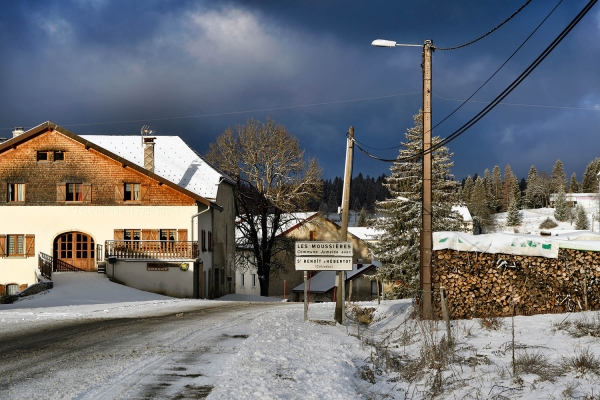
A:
(426, 236)
(340, 316)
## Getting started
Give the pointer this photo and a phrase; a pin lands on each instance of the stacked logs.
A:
(498, 285)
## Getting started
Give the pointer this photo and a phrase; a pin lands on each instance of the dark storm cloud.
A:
(81, 61)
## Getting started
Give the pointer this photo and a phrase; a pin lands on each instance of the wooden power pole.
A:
(341, 290)
(426, 229)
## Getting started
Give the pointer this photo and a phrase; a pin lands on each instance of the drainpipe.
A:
(194, 216)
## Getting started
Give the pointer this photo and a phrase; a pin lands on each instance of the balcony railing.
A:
(150, 249)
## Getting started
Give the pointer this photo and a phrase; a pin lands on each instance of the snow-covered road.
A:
(177, 355)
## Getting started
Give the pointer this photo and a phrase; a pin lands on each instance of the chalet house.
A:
(320, 287)
(303, 227)
(147, 210)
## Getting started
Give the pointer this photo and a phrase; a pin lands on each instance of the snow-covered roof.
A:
(464, 212)
(365, 233)
(290, 221)
(325, 280)
(173, 160)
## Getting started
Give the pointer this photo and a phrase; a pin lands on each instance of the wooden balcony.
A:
(151, 249)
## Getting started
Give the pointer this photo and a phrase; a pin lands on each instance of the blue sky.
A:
(193, 68)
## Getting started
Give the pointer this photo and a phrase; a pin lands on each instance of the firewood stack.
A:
(496, 285)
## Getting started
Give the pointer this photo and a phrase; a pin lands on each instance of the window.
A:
(74, 192)
(132, 192)
(168, 234)
(132, 234)
(203, 240)
(242, 279)
(43, 156)
(210, 241)
(16, 245)
(374, 287)
(16, 192)
(312, 236)
(253, 280)
(59, 156)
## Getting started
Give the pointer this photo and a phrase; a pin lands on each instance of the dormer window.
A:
(132, 192)
(74, 192)
(16, 192)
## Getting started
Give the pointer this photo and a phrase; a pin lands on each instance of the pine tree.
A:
(479, 208)
(581, 220)
(589, 182)
(559, 178)
(496, 189)
(514, 216)
(467, 189)
(561, 211)
(507, 187)
(530, 197)
(574, 185)
(362, 218)
(398, 246)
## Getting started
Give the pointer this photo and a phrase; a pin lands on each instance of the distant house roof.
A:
(173, 160)
(464, 212)
(324, 281)
(365, 233)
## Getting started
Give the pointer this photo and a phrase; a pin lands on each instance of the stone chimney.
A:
(18, 131)
(149, 153)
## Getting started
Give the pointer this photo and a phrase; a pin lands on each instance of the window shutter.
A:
(30, 245)
(210, 241)
(182, 235)
(119, 196)
(144, 194)
(118, 234)
(154, 234)
(3, 246)
(61, 193)
(203, 240)
(87, 192)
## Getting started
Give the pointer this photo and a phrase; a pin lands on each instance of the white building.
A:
(151, 211)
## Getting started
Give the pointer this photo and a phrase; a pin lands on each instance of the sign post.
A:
(322, 256)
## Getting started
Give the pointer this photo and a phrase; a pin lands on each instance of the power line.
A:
(519, 79)
(489, 79)
(521, 104)
(501, 66)
(506, 91)
(240, 112)
(488, 33)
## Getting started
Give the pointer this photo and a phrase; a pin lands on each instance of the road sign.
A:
(317, 263)
(331, 249)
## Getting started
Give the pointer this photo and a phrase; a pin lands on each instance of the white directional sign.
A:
(318, 263)
(335, 249)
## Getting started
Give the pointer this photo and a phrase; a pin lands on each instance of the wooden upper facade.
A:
(50, 166)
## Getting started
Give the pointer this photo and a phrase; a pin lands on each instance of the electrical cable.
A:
(499, 68)
(490, 78)
(239, 112)
(488, 33)
(519, 79)
(506, 91)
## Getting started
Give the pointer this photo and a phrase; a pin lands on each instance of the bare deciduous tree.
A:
(272, 180)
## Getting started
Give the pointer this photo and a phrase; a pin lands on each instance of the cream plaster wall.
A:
(46, 222)
(174, 282)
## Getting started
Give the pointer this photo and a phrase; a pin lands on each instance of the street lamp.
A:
(426, 242)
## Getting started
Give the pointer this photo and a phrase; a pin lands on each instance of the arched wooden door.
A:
(77, 249)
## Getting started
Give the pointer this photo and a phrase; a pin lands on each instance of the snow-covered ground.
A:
(395, 357)
(532, 218)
